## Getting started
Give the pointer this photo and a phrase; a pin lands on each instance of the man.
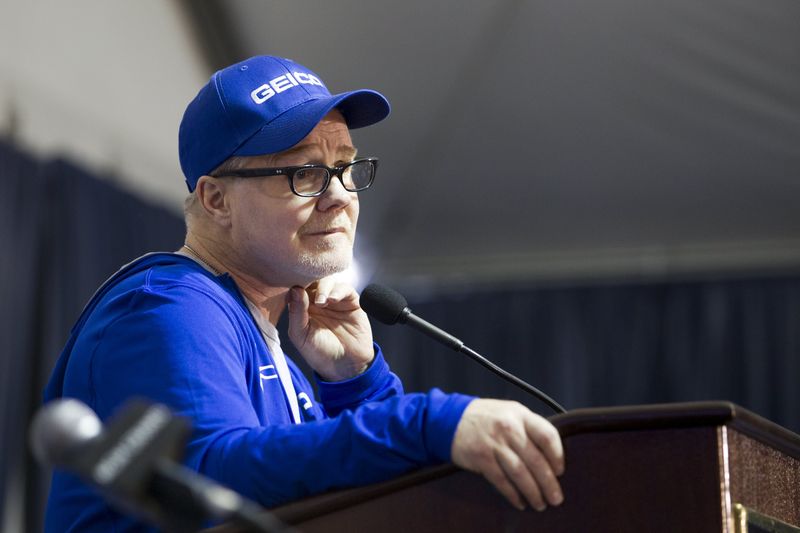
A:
(274, 178)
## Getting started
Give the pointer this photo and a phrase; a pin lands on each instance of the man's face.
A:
(287, 240)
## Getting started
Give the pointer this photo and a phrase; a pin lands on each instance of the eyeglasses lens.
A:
(309, 180)
(358, 175)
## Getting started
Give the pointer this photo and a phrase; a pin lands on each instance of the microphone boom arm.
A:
(409, 318)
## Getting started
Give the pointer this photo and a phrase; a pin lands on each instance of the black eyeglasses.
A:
(313, 180)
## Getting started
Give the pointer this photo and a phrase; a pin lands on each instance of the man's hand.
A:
(328, 327)
(516, 450)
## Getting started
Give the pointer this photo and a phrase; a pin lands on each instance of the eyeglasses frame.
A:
(289, 172)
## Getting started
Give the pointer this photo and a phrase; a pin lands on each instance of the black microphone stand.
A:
(407, 317)
(390, 307)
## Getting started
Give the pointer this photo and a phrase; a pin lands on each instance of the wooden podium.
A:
(691, 467)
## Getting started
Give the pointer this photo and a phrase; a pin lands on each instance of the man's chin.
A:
(318, 266)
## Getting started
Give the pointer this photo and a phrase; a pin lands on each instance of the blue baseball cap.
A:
(263, 105)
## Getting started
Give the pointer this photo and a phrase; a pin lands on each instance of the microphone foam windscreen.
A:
(382, 303)
(61, 429)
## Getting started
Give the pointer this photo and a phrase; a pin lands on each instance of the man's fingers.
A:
(521, 477)
(298, 312)
(495, 475)
(343, 293)
(518, 452)
(547, 439)
(542, 471)
(328, 290)
(321, 290)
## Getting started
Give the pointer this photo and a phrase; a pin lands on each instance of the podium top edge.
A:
(678, 415)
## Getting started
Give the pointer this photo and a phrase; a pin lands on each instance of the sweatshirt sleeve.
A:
(375, 384)
(181, 348)
(374, 442)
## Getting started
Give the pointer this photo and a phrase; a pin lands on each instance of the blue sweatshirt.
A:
(166, 329)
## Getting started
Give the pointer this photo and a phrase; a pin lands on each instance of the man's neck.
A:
(269, 300)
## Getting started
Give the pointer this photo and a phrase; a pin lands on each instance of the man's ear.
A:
(214, 198)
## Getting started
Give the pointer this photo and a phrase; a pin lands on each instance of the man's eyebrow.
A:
(350, 151)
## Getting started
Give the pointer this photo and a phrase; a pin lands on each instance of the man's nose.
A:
(335, 195)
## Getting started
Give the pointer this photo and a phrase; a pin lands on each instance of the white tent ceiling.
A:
(528, 140)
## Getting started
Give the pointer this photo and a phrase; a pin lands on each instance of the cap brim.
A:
(359, 108)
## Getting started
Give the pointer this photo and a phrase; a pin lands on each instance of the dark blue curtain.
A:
(731, 339)
(21, 209)
(64, 231)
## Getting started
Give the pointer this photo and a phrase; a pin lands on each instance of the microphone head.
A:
(61, 429)
(382, 303)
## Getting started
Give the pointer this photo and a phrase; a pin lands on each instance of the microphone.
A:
(390, 307)
(133, 464)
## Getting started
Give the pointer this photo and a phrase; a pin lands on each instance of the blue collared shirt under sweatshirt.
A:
(166, 329)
